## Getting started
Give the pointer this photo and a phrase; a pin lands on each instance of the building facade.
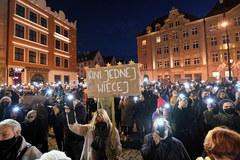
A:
(181, 46)
(38, 45)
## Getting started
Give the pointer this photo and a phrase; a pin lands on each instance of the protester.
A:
(161, 145)
(222, 144)
(54, 155)
(102, 142)
(12, 145)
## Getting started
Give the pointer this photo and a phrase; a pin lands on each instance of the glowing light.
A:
(70, 97)
(16, 109)
(224, 24)
(135, 98)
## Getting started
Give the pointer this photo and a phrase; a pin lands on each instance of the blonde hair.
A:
(105, 116)
(222, 142)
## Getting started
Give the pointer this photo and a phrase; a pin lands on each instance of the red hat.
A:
(160, 102)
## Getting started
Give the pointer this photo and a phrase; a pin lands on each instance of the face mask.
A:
(165, 134)
(5, 104)
(6, 144)
(29, 120)
(229, 111)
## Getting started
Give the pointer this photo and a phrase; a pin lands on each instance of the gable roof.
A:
(222, 7)
(108, 59)
(161, 20)
(87, 56)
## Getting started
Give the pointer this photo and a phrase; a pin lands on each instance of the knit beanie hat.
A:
(54, 155)
(160, 102)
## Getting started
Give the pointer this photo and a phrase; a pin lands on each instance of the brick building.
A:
(36, 43)
(182, 46)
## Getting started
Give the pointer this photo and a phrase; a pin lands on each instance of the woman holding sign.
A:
(101, 141)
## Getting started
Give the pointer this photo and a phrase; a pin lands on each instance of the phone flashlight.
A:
(49, 91)
(181, 95)
(135, 98)
(70, 97)
(186, 85)
(210, 100)
(161, 125)
(215, 88)
(16, 109)
(167, 106)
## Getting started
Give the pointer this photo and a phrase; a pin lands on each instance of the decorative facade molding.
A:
(60, 15)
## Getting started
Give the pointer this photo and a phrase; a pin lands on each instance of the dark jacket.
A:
(168, 149)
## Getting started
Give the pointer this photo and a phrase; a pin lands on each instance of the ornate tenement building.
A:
(182, 46)
(36, 43)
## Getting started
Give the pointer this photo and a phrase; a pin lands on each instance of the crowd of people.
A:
(174, 121)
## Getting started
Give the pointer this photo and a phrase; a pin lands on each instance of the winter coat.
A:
(168, 149)
(88, 152)
(127, 113)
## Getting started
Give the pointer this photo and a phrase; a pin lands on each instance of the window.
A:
(43, 58)
(194, 31)
(43, 22)
(175, 47)
(236, 21)
(57, 29)
(238, 55)
(66, 47)
(58, 62)
(145, 66)
(32, 57)
(213, 41)
(32, 35)
(144, 42)
(187, 61)
(237, 37)
(212, 27)
(196, 60)
(215, 57)
(57, 78)
(166, 49)
(158, 39)
(65, 33)
(159, 64)
(43, 39)
(185, 33)
(176, 62)
(226, 39)
(225, 56)
(170, 25)
(159, 51)
(33, 17)
(19, 31)
(195, 44)
(167, 64)
(175, 35)
(20, 10)
(19, 54)
(165, 37)
(186, 46)
(57, 44)
(144, 52)
(66, 79)
(177, 23)
(66, 63)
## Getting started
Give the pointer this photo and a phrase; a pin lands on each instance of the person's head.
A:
(222, 144)
(205, 93)
(222, 94)
(5, 101)
(54, 155)
(8, 93)
(193, 95)
(183, 100)
(9, 128)
(227, 107)
(141, 98)
(174, 93)
(100, 116)
(31, 116)
(161, 127)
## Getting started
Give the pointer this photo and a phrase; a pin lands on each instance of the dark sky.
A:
(111, 26)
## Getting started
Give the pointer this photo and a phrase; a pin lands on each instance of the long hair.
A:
(222, 142)
(105, 116)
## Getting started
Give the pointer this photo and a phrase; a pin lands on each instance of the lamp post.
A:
(225, 24)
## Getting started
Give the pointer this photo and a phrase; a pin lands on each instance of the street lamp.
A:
(225, 24)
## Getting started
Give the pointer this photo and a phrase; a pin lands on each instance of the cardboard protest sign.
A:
(112, 81)
(73, 83)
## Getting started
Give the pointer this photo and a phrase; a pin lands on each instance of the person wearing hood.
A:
(226, 117)
(221, 94)
(161, 144)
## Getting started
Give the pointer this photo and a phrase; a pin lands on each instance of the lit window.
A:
(158, 39)
(144, 42)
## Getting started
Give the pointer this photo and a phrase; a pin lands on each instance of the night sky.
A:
(111, 26)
